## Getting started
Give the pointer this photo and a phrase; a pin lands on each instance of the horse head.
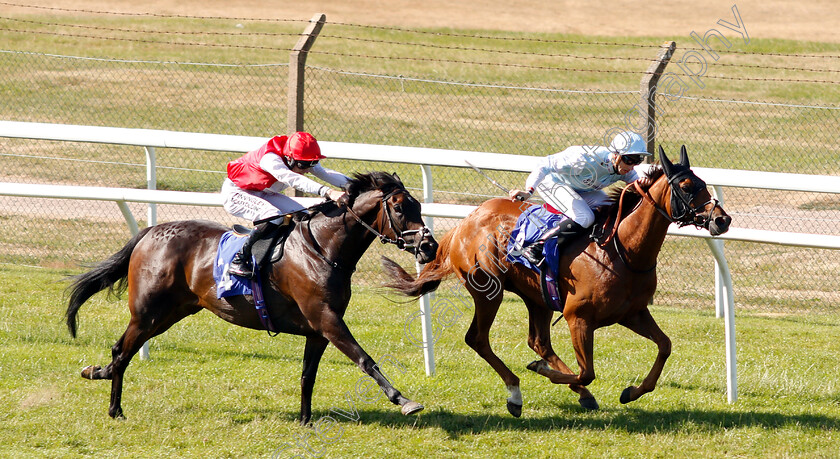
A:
(691, 203)
(398, 220)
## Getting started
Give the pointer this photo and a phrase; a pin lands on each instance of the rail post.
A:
(426, 300)
(151, 215)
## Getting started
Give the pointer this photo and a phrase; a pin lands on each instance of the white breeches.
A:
(256, 205)
(575, 205)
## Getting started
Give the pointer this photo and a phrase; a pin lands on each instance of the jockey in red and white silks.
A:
(255, 182)
(254, 187)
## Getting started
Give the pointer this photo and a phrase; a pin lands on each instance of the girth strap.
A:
(259, 303)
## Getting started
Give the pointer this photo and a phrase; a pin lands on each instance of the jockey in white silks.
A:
(571, 183)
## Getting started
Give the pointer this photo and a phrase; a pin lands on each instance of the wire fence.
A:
(515, 94)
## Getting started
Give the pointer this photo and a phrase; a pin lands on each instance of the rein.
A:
(334, 264)
(614, 233)
(646, 196)
(688, 211)
(400, 241)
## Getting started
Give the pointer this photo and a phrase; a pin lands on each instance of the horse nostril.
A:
(426, 247)
(723, 222)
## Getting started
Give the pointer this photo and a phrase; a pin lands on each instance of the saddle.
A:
(269, 248)
(552, 295)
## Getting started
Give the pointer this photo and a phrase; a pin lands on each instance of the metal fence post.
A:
(647, 104)
(297, 70)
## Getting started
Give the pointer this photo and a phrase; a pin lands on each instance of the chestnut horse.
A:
(601, 285)
(168, 269)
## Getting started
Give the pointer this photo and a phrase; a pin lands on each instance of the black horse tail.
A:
(111, 274)
(429, 278)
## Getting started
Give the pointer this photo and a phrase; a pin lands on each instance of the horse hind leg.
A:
(139, 331)
(478, 338)
(121, 354)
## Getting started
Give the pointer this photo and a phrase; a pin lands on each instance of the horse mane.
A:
(371, 181)
(357, 185)
(631, 197)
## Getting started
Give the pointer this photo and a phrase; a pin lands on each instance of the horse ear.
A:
(394, 174)
(684, 157)
(666, 163)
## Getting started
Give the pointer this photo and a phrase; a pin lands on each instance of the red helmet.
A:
(301, 146)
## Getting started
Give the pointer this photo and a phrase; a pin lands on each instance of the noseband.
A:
(687, 214)
(400, 241)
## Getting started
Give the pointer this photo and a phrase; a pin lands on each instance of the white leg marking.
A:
(515, 395)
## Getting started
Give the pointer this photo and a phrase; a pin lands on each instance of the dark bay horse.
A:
(168, 272)
(602, 285)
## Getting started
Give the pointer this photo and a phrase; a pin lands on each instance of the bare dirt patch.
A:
(802, 20)
(39, 397)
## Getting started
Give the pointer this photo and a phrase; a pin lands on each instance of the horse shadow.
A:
(630, 420)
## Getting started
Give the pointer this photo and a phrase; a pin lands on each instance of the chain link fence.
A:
(346, 104)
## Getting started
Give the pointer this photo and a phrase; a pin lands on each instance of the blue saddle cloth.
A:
(529, 226)
(227, 285)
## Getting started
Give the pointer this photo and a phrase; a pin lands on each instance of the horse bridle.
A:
(688, 214)
(400, 240)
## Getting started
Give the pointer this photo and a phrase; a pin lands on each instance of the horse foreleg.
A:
(314, 350)
(582, 335)
(335, 330)
(539, 339)
(644, 324)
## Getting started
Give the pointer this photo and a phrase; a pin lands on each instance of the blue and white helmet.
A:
(629, 143)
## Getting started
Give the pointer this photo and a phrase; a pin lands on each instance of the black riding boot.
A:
(241, 264)
(564, 232)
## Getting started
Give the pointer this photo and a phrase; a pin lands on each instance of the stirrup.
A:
(240, 267)
(533, 253)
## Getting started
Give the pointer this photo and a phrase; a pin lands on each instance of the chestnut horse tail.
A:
(429, 278)
(111, 274)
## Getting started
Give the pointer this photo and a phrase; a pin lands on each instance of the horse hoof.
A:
(87, 372)
(514, 409)
(411, 408)
(536, 365)
(625, 396)
(589, 403)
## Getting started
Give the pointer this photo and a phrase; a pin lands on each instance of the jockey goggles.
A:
(302, 164)
(631, 159)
